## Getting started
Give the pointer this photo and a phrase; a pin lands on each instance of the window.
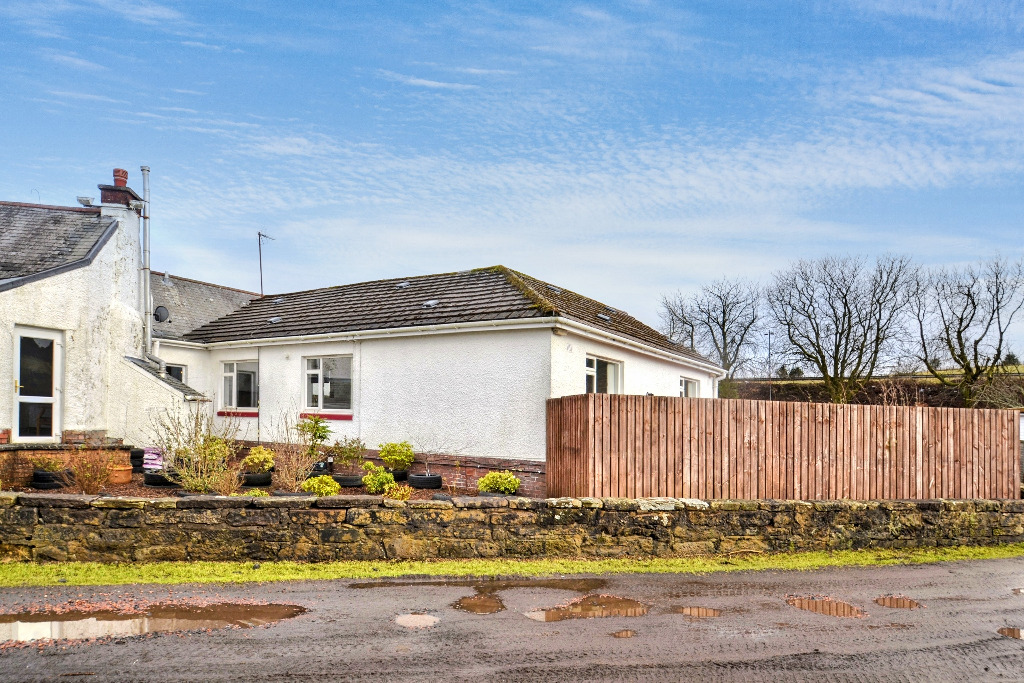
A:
(241, 385)
(178, 372)
(689, 388)
(329, 383)
(603, 376)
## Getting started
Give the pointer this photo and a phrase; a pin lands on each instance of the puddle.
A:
(486, 600)
(158, 619)
(696, 612)
(481, 603)
(827, 606)
(624, 633)
(590, 607)
(898, 602)
(416, 621)
(1009, 632)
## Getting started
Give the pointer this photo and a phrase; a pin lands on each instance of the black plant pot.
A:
(46, 477)
(348, 480)
(400, 475)
(425, 481)
(256, 479)
(157, 479)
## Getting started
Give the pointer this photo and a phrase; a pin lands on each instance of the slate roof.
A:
(181, 387)
(38, 241)
(496, 293)
(191, 303)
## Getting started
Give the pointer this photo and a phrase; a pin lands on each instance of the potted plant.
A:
(426, 480)
(256, 466)
(314, 432)
(91, 467)
(377, 478)
(347, 453)
(398, 457)
(296, 461)
(502, 483)
(48, 471)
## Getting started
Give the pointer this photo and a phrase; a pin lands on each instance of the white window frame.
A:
(689, 387)
(615, 382)
(318, 371)
(229, 402)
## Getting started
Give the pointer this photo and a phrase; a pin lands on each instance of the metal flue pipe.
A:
(147, 297)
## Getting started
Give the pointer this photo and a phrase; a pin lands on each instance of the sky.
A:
(623, 150)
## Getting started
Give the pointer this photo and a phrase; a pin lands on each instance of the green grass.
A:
(95, 574)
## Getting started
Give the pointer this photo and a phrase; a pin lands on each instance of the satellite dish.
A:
(161, 314)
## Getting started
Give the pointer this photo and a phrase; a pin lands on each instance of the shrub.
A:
(313, 431)
(48, 463)
(90, 469)
(376, 478)
(260, 459)
(197, 452)
(321, 486)
(398, 491)
(498, 482)
(347, 452)
(397, 456)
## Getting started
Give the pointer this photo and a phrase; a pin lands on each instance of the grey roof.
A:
(496, 293)
(180, 387)
(191, 303)
(38, 241)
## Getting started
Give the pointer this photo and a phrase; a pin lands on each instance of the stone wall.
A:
(65, 527)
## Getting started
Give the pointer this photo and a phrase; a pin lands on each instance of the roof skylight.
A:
(402, 285)
(430, 303)
(275, 319)
(602, 316)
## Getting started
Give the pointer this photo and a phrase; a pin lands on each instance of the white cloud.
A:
(425, 83)
(73, 61)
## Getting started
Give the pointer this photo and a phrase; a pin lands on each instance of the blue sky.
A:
(621, 149)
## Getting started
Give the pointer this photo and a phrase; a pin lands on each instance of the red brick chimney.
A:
(119, 192)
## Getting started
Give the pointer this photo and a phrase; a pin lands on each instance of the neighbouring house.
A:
(459, 364)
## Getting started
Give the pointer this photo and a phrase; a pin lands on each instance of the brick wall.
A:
(5, 436)
(16, 461)
(40, 527)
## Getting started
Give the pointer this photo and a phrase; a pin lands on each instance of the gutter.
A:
(453, 328)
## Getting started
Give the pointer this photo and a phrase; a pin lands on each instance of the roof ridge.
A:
(203, 282)
(515, 279)
(52, 207)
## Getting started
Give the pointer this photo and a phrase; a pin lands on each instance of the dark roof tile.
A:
(191, 303)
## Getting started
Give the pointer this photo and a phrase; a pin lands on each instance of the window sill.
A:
(327, 416)
(238, 413)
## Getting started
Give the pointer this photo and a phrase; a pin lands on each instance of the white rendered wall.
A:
(468, 393)
(641, 373)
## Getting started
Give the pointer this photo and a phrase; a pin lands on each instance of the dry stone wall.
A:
(40, 527)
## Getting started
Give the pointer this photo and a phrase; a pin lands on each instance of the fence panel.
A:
(633, 446)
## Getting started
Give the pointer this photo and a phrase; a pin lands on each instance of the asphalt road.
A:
(350, 633)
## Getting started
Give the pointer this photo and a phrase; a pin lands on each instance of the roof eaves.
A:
(86, 260)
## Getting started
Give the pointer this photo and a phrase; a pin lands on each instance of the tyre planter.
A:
(425, 481)
(45, 477)
(46, 485)
(135, 456)
(120, 474)
(256, 479)
(157, 479)
(400, 475)
(348, 480)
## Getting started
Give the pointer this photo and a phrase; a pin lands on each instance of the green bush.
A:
(348, 451)
(255, 493)
(498, 482)
(397, 456)
(376, 479)
(260, 459)
(398, 491)
(47, 462)
(313, 431)
(321, 486)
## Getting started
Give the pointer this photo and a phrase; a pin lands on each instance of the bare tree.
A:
(963, 315)
(841, 316)
(720, 321)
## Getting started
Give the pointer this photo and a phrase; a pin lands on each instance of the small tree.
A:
(841, 316)
(963, 316)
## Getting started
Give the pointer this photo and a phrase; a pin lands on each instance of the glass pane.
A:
(36, 367)
(229, 392)
(603, 368)
(177, 372)
(590, 362)
(35, 419)
(338, 383)
(248, 390)
(313, 390)
(590, 384)
(229, 367)
(312, 363)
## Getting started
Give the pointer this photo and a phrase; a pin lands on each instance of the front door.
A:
(38, 370)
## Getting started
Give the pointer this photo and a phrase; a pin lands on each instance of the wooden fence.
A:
(641, 446)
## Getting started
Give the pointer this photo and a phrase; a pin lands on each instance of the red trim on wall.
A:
(238, 413)
(327, 416)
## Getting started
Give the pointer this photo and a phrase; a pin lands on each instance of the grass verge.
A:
(95, 574)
